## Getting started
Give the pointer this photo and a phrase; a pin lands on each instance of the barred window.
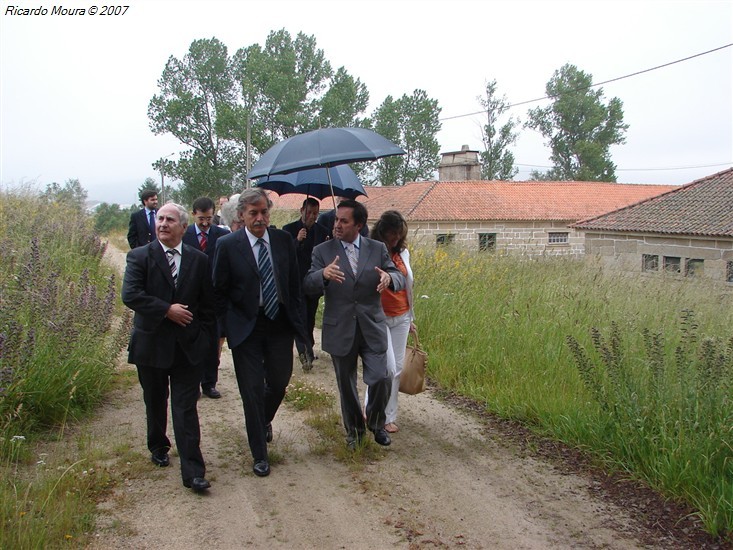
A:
(729, 272)
(557, 238)
(694, 267)
(486, 242)
(649, 262)
(444, 239)
(672, 264)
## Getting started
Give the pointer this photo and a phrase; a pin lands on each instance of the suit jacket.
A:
(148, 290)
(138, 231)
(316, 235)
(237, 283)
(191, 239)
(356, 300)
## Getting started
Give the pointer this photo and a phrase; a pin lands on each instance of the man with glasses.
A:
(203, 234)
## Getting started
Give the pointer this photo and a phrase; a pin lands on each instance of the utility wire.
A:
(643, 169)
(597, 84)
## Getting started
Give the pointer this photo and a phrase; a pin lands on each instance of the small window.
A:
(672, 264)
(444, 239)
(729, 272)
(487, 242)
(557, 238)
(649, 262)
(694, 267)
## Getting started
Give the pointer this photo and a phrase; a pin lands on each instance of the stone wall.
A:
(626, 253)
(517, 237)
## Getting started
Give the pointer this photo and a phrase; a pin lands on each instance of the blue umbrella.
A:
(340, 181)
(323, 148)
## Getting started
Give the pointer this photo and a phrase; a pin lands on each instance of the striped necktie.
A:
(351, 254)
(267, 280)
(171, 252)
(203, 242)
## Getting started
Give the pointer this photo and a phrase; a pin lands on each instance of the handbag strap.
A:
(417, 340)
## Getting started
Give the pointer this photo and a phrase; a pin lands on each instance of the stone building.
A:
(684, 232)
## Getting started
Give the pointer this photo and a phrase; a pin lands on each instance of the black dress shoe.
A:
(382, 437)
(261, 468)
(160, 458)
(212, 393)
(196, 483)
(268, 436)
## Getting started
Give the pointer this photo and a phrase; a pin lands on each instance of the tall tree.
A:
(497, 162)
(288, 87)
(579, 127)
(70, 194)
(412, 122)
(196, 99)
(148, 184)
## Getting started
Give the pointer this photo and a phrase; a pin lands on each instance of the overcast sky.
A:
(75, 89)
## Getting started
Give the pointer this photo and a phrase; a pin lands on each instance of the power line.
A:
(599, 83)
(644, 169)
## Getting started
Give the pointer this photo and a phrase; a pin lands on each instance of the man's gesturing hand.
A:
(179, 314)
(332, 272)
(384, 280)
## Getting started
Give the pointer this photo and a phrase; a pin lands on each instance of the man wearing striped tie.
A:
(257, 288)
(168, 286)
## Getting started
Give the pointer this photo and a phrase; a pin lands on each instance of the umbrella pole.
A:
(330, 185)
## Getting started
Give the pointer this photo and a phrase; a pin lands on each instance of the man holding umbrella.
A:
(307, 234)
(352, 271)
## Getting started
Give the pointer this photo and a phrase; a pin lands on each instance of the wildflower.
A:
(17, 438)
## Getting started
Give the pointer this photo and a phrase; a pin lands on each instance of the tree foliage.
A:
(195, 103)
(412, 122)
(497, 162)
(109, 218)
(579, 127)
(288, 87)
(148, 184)
(71, 194)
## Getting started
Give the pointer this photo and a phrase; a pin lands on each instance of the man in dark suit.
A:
(257, 287)
(307, 234)
(141, 229)
(203, 235)
(168, 286)
(352, 271)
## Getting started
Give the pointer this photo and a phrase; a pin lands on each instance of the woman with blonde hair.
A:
(391, 229)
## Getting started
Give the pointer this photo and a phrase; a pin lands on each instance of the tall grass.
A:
(636, 370)
(58, 347)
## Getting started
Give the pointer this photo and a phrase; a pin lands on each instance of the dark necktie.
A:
(267, 280)
(151, 222)
(203, 241)
(172, 263)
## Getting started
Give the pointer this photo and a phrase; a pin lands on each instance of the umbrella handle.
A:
(333, 195)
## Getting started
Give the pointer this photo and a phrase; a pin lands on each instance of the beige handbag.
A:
(412, 379)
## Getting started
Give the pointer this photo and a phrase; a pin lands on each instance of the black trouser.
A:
(182, 380)
(310, 307)
(263, 364)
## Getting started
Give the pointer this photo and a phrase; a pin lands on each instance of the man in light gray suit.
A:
(351, 271)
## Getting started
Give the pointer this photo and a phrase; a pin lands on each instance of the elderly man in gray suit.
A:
(351, 271)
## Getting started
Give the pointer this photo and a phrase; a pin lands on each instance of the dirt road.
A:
(449, 479)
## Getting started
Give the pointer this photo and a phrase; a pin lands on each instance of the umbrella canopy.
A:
(315, 182)
(324, 147)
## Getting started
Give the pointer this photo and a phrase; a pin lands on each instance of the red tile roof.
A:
(500, 200)
(703, 207)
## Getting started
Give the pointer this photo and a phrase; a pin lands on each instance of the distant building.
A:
(685, 232)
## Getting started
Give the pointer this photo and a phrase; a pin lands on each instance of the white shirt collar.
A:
(178, 248)
(356, 243)
(253, 240)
